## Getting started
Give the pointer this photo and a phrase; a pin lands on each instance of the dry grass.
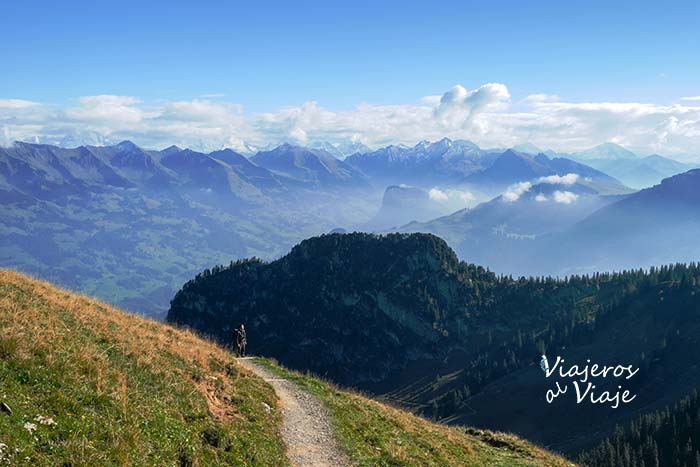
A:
(122, 389)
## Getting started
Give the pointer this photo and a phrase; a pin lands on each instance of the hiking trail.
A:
(306, 426)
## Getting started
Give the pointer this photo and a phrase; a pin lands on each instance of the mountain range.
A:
(632, 169)
(564, 227)
(502, 231)
(463, 163)
(310, 168)
(142, 221)
(641, 172)
(129, 224)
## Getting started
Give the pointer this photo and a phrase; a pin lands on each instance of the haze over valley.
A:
(130, 224)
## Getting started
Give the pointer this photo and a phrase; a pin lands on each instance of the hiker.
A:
(241, 341)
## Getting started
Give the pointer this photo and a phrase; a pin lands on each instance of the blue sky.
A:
(249, 61)
(270, 54)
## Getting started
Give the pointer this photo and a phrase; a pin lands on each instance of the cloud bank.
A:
(515, 191)
(458, 197)
(568, 179)
(487, 115)
(565, 197)
(436, 194)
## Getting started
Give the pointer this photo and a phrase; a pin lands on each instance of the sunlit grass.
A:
(377, 435)
(121, 389)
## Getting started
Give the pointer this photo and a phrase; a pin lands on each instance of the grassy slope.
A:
(124, 390)
(376, 435)
(121, 389)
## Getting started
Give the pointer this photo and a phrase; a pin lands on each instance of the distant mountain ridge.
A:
(426, 162)
(454, 163)
(155, 217)
(643, 172)
(141, 221)
(607, 151)
(633, 170)
(653, 226)
(503, 231)
(313, 167)
(570, 228)
(127, 165)
(440, 162)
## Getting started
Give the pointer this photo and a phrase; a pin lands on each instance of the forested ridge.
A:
(401, 316)
(668, 438)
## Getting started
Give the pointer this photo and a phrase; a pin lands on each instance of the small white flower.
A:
(45, 420)
(30, 427)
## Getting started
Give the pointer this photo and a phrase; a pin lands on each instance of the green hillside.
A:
(377, 435)
(88, 384)
(120, 389)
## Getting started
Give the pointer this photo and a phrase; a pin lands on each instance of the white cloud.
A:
(431, 100)
(106, 109)
(457, 107)
(565, 197)
(514, 192)
(436, 194)
(202, 110)
(456, 198)
(691, 98)
(16, 104)
(568, 179)
(483, 114)
(465, 196)
(539, 98)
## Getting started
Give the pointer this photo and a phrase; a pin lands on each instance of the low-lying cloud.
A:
(436, 194)
(454, 197)
(568, 179)
(487, 115)
(514, 192)
(564, 197)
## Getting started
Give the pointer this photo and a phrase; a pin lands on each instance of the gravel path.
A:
(306, 426)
